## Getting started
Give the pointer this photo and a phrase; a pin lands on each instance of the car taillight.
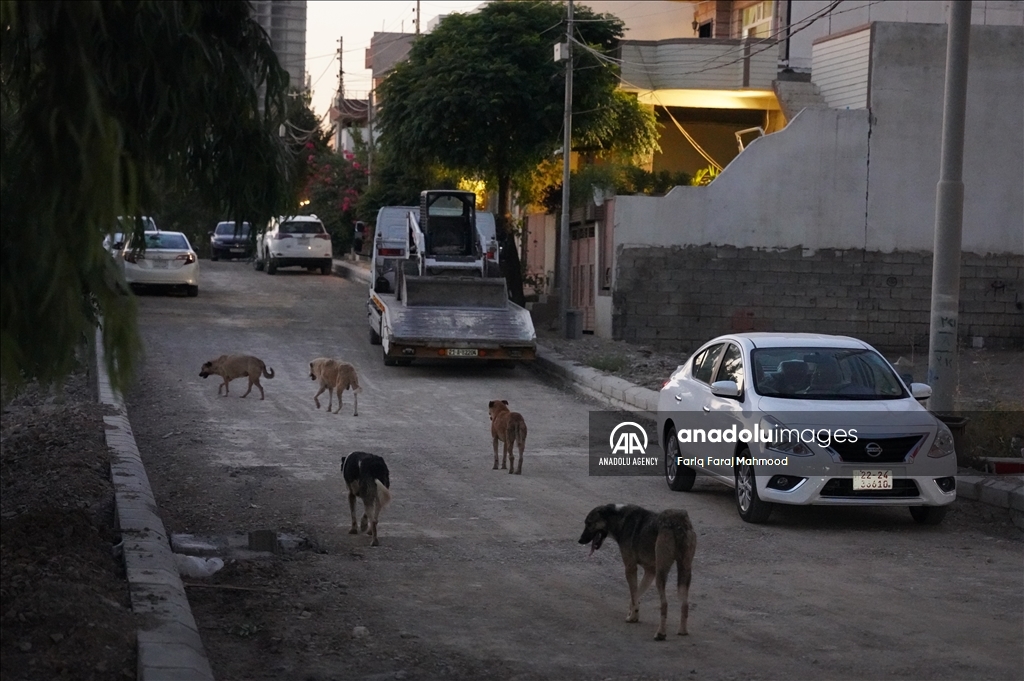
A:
(187, 257)
(392, 252)
(321, 236)
(490, 255)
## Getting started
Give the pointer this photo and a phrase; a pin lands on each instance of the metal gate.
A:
(582, 256)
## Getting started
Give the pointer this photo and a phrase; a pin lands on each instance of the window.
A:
(757, 20)
(302, 228)
(732, 366)
(704, 363)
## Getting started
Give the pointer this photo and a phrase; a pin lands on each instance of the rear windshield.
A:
(825, 374)
(228, 229)
(302, 228)
(168, 240)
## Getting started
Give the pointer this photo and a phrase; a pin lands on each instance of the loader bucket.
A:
(439, 291)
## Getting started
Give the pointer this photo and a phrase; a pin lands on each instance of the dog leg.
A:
(352, 508)
(365, 522)
(249, 390)
(338, 410)
(259, 386)
(373, 523)
(225, 386)
(355, 398)
(522, 446)
(664, 556)
(634, 605)
(684, 571)
(645, 584)
(318, 394)
(510, 450)
(495, 443)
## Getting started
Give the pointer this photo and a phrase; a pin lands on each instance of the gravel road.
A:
(479, 574)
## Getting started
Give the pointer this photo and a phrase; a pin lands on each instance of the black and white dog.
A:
(366, 477)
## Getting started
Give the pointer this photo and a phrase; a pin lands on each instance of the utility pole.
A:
(417, 17)
(341, 71)
(943, 360)
(564, 243)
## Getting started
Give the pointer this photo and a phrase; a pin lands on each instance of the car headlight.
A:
(943, 445)
(782, 439)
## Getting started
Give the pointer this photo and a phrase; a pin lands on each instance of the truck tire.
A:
(271, 264)
(388, 362)
(374, 336)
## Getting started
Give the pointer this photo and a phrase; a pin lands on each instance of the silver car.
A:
(804, 419)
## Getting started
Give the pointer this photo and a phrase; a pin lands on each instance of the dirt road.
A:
(479, 573)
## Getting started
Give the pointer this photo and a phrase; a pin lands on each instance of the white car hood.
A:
(846, 413)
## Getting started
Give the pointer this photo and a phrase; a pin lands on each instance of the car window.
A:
(732, 366)
(704, 370)
(167, 240)
(228, 228)
(302, 228)
(825, 374)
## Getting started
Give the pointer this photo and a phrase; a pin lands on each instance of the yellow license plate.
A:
(869, 480)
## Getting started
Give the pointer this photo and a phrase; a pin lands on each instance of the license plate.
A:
(237, 250)
(462, 352)
(159, 264)
(304, 241)
(872, 480)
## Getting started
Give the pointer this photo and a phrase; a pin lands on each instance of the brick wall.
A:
(678, 297)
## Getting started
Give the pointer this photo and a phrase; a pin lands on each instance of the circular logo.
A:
(632, 442)
(873, 449)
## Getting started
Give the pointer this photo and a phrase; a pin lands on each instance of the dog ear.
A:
(490, 404)
(505, 402)
(343, 461)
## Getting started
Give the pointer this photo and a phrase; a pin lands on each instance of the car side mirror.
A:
(209, 234)
(725, 389)
(920, 391)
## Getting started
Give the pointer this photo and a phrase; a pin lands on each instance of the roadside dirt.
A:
(65, 612)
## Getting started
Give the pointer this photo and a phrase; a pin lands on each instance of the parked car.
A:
(294, 241)
(113, 242)
(804, 419)
(230, 240)
(165, 259)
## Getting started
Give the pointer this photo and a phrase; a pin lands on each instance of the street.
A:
(479, 573)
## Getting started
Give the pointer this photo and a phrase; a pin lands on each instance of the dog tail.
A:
(383, 494)
(268, 372)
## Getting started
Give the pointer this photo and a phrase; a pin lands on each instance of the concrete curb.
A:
(168, 641)
(350, 270)
(617, 392)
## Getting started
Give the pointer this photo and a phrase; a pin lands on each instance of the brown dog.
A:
(334, 376)
(653, 541)
(510, 428)
(230, 367)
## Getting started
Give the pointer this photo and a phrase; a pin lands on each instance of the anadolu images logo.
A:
(631, 441)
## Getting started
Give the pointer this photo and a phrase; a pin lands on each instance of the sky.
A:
(355, 23)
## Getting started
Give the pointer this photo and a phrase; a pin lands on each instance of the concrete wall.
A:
(858, 184)
(907, 83)
(677, 298)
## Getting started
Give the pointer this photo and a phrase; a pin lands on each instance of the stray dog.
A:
(230, 367)
(654, 541)
(334, 376)
(367, 477)
(510, 428)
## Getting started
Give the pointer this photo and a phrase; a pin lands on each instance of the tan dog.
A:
(510, 428)
(334, 376)
(230, 367)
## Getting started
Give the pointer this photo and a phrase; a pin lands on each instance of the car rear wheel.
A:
(928, 515)
(750, 506)
(214, 256)
(271, 264)
(325, 269)
(679, 478)
(192, 291)
(388, 361)
(257, 264)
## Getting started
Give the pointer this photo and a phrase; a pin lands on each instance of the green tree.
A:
(482, 95)
(98, 99)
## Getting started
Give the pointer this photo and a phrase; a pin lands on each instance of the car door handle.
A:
(679, 397)
(707, 408)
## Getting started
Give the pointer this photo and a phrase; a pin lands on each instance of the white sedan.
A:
(804, 419)
(165, 259)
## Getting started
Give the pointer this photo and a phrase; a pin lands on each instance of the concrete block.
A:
(158, 660)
